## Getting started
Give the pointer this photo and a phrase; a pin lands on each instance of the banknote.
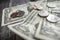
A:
(48, 31)
(32, 16)
(7, 11)
(24, 31)
(28, 28)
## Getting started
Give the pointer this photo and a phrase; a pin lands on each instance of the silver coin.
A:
(52, 18)
(51, 5)
(43, 13)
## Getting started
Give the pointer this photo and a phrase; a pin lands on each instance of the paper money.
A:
(28, 28)
(25, 31)
(6, 12)
(31, 26)
(48, 31)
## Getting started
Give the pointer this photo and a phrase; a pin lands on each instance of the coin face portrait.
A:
(18, 13)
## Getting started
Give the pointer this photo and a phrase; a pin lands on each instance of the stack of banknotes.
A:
(35, 25)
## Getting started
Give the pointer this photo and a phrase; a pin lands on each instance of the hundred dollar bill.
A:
(7, 11)
(48, 31)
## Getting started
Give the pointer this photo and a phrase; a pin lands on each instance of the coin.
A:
(52, 18)
(43, 13)
(51, 5)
